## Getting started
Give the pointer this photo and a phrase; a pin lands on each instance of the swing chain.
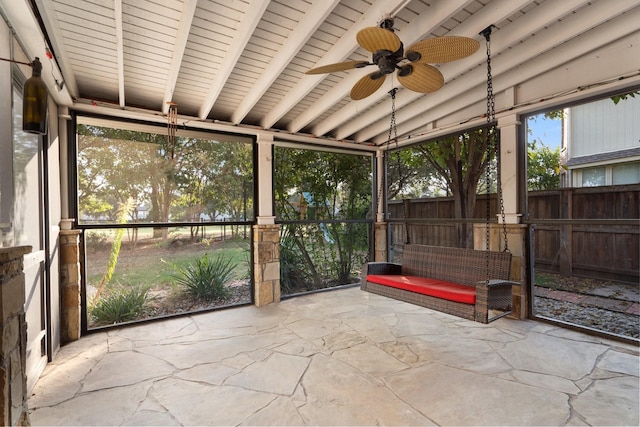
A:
(393, 136)
(392, 131)
(501, 200)
(493, 145)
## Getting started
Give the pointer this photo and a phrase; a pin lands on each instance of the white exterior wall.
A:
(603, 127)
(10, 48)
(54, 216)
(6, 145)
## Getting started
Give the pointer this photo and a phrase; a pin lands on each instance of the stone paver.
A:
(278, 374)
(344, 357)
(109, 372)
(457, 397)
(612, 401)
(571, 359)
(340, 394)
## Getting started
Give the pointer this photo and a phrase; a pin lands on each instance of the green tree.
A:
(457, 165)
(543, 163)
(624, 96)
(179, 180)
(318, 185)
(409, 176)
(543, 167)
(111, 171)
(215, 179)
(234, 185)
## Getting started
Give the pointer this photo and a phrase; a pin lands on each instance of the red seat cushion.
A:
(432, 287)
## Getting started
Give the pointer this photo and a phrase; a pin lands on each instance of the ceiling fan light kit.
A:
(412, 64)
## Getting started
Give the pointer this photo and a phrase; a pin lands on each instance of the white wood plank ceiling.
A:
(241, 63)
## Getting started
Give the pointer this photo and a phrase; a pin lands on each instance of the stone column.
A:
(380, 227)
(516, 238)
(380, 241)
(266, 263)
(13, 339)
(70, 285)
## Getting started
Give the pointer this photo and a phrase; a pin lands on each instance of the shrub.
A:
(96, 240)
(294, 275)
(206, 278)
(120, 306)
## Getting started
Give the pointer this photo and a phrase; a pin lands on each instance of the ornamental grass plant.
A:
(122, 305)
(207, 278)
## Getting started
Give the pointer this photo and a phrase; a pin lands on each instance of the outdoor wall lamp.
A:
(34, 103)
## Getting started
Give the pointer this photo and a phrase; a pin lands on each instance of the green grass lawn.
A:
(153, 267)
(145, 280)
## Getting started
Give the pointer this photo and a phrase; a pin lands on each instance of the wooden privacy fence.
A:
(589, 232)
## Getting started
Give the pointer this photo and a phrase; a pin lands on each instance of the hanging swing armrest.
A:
(494, 295)
(378, 268)
(496, 283)
(381, 268)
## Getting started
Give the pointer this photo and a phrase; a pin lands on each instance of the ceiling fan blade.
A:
(340, 66)
(421, 78)
(367, 85)
(374, 39)
(442, 49)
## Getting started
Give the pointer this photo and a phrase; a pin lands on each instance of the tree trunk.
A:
(155, 211)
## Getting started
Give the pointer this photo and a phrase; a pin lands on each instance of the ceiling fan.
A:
(412, 64)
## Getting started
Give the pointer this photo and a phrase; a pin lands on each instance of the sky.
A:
(547, 131)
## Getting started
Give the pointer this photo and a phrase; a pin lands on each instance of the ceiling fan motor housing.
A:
(387, 61)
(387, 24)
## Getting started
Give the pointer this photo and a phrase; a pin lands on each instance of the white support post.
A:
(265, 179)
(379, 186)
(508, 159)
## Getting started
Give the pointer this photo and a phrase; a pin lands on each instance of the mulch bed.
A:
(607, 306)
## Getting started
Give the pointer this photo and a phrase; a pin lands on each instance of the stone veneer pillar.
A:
(13, 345)
(70, 285)
(380, 242)
(516, 237)
(266, 263)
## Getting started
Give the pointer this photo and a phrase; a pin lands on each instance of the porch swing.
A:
(468, 283)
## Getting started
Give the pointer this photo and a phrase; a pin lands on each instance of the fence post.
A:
(565, 257)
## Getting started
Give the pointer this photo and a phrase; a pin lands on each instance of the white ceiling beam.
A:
(313, 18)
(425, 23)
(501, 40)
(29, 34)
(119, 51)
(50, 19)
(535, 20)
(596, 91)
(557, 73)
(184, 26)
(495, 11)
(590, 70)
(558, 45)
(241, 37)
(339, 52)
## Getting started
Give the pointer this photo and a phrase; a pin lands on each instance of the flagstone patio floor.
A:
(344, 357)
